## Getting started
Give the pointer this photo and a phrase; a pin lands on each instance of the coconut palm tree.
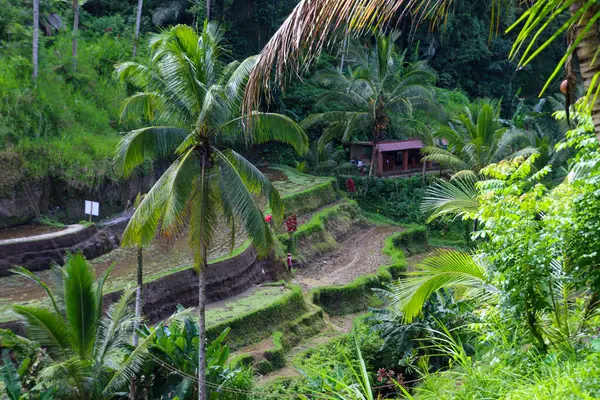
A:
(87, 355)
(317, 24)
(380, 91)
(475, 140)
(192, 102)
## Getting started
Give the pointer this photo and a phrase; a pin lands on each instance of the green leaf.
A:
(80, 304)
(10, 377)
(147, 143)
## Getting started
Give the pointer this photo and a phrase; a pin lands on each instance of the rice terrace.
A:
(299, 199)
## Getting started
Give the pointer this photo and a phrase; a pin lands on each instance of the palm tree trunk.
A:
(36, 37)
(138, 21)
(208, 10)
(202, 333)
(589, 65)
(75, 30)
(424, 167)
(344, 49)
(202, 292)
(138, 312)
(373, 158)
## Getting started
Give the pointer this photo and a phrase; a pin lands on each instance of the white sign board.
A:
(92, 208)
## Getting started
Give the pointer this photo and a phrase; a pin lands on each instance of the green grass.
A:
(263, 297)
(297, 181)
(258, 316)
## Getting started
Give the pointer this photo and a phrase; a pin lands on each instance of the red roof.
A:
(401, 145)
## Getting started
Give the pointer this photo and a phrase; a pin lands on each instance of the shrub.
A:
(398, 199)
(325, 168)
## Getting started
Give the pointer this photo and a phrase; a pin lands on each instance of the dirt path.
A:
(358, 255)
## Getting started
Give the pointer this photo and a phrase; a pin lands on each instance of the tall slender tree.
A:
(138, 22)
(208, 5)
(75, 32)
(192, 101)
(36, 38)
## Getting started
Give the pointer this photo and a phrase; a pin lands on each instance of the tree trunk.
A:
(424, 168)
(202, 395)
(373, 160)
(138, 311)
(138, 21)
(344, 49)
(589, 64)
(202, 333)
(208, 10)
(75, 30)
(36, 37)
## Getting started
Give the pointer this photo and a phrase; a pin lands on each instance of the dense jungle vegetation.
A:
(501, 298)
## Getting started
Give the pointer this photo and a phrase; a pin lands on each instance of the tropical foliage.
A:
(379, 92)
(86, 355)
(475, 140)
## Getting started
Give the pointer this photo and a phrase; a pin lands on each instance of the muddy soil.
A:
(359, 254)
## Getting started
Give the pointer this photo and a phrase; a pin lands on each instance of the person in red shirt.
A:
(290, 262)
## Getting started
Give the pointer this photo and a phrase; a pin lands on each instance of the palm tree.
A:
(192, 103)
(475, 140)
(87, 354)
(138, 21)
(380, 90)
(36, 38)
(313, 23)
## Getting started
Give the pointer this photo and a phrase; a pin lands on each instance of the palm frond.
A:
(267, 127)
(448, 269)
(10, 377)
(80, 304)
(147, 143)
(30, 275)
(256, 182)
(237, 195)
(100, 289)
(316, 24)
(205, 205)
(46, 328)
(450, 198)
(165, 202)
(444, 157)
(115, 327)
